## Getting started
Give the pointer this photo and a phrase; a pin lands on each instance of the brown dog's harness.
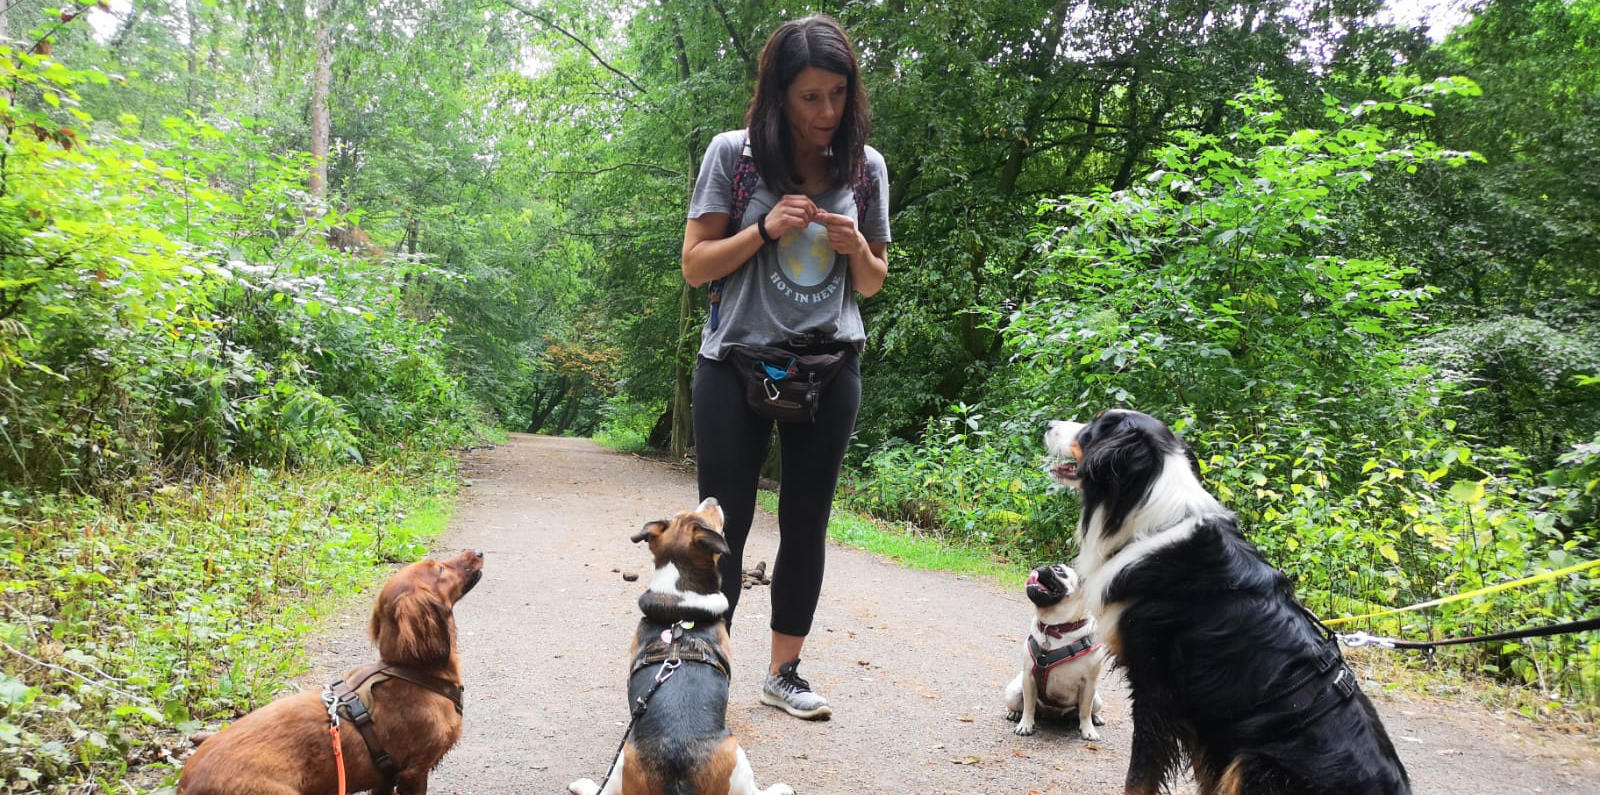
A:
(1042, 660)
(347, 699)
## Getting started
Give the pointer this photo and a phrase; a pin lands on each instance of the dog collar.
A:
(1060, 630)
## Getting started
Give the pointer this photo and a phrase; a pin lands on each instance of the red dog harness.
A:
(1042, 660)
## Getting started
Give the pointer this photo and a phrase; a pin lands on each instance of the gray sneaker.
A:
(792, 694)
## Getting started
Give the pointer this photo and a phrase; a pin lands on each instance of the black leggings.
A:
(730, 444)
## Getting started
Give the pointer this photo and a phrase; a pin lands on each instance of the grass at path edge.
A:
(909, 547)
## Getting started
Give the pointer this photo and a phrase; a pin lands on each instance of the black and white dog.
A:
(1224, 665)
(1061, 660)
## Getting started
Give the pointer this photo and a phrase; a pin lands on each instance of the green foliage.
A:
(1521, 381)
(974, 486)
(1211, 287)
(910, 547)
(125, 622)
(1218, 295)
(626, 425)
(170, 302)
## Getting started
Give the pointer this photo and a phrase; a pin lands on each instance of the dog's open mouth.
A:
(471, 581)
(1064, 470)
(1044, 592)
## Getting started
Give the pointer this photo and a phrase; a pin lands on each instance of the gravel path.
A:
(914, 662)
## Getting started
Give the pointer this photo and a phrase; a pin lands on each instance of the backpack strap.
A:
(744, 182)
(863, 188)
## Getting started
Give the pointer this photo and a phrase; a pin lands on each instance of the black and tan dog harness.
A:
(675, 642)
(1043, 660)
(347, 699)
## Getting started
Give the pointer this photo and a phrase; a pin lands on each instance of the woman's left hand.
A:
(843, 236)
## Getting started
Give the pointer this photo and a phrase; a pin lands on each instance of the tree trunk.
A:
(683, 388)
(544, 404)
(321, 80)
(5, 38)
(191, 53)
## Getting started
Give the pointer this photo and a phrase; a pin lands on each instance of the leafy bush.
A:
(126, 621)
(1220, 296)
(171, 303)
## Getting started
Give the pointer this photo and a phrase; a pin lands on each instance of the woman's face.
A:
(814, 105)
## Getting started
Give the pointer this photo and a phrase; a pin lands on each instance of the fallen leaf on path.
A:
(965, 719)
(966, 760)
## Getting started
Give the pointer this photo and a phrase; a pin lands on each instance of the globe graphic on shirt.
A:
(805, 255)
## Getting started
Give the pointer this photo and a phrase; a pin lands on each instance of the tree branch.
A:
(651, 166)
(581, 43)
(738, 42)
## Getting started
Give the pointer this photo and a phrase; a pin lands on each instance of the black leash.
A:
(667, 667)
(1355, 639)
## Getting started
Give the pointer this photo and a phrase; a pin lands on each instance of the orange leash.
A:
(331, 703)
(338, 756)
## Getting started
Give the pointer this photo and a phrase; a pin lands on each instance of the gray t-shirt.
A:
(798, 285)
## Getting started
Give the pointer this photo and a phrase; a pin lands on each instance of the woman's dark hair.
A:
(816, 41)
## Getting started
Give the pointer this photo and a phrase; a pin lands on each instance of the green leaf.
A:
(1467, 492)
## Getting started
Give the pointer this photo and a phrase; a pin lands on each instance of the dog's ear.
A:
(711, 512)
(711, 539)
(1117, 447)
(651, 530)
(412, 626)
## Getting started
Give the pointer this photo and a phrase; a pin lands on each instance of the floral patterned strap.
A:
(744, 181)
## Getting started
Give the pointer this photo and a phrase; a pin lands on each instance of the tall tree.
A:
(322, 14)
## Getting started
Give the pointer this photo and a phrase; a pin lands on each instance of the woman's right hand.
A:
(793, 211)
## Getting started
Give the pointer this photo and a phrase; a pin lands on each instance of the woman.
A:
(813, 232)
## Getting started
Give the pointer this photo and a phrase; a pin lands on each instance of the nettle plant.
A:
(1212, 286)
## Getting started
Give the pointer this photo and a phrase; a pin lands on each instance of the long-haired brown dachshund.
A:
(413, 699)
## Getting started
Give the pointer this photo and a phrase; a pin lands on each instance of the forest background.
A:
(266, 263)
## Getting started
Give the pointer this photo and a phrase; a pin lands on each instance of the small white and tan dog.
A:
(1061, 661)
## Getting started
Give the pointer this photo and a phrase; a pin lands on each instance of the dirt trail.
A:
(914, 662)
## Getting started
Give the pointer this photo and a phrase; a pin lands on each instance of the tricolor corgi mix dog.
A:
(679, 742)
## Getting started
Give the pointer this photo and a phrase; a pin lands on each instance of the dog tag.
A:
(666, 636)
(686, 624)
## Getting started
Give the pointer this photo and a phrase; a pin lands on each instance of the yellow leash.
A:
(1548, 575)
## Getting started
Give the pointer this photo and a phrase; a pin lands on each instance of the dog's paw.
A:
(1089, 734)
(583, 786)
(779, 788)
(1024, 730)
(1098, 721)
(1013, 715)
